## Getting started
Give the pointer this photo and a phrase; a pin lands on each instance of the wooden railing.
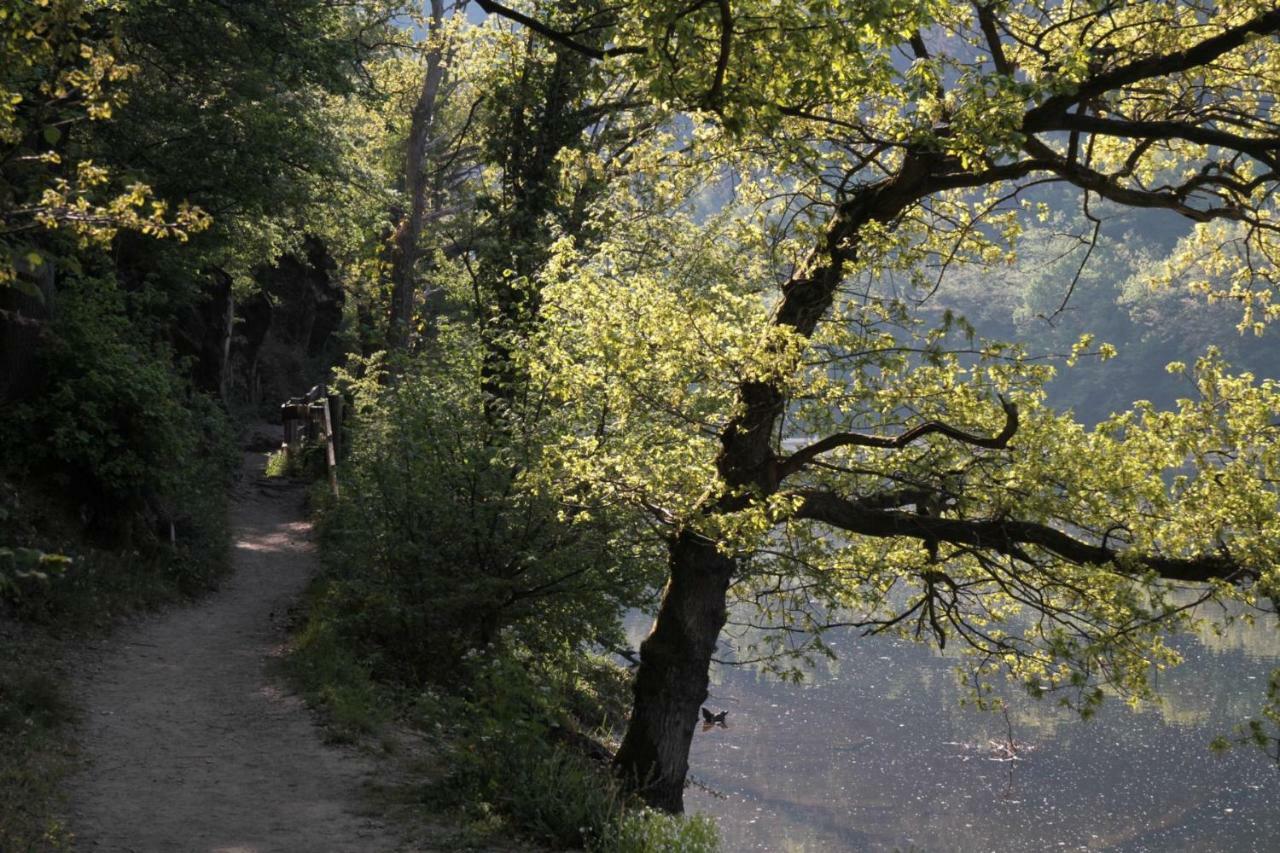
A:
(314, 418)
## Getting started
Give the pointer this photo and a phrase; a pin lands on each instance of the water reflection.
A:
(878, 753)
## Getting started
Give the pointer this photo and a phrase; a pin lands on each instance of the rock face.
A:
(203, 333)
(267, 346)
(25, 309)
(253, 323)
(284, 337)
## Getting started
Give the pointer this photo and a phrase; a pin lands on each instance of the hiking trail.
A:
(191, 742)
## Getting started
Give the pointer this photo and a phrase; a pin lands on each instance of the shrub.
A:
(439, 546)
(118, 447)
(447, 566)
(116, 428)
(513, 759)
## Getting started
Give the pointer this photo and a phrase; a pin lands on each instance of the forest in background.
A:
(629, 302)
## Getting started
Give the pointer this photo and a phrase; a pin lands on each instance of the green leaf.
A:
(55, 563)
(52, 135)
(26, 287)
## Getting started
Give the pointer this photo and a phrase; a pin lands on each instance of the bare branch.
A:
(1092, 243)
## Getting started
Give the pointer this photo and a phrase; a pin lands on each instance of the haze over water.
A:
(876, 752)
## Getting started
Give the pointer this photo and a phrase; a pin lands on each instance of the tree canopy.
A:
(751, 376)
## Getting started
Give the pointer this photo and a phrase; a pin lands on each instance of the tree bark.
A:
(404, 253)
(671, 683)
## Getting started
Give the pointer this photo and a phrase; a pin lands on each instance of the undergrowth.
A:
(463, 599)
(517, 754)
(309, 461)
(35, 712)
(506, 746)
(332, 678)
(277, 464)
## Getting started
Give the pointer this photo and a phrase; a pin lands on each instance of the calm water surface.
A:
(877, 753)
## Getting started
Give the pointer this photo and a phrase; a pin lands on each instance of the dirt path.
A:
(191, 744)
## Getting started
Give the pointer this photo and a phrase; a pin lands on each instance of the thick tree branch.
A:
(560, 38)
(918, 47)
(897, 498)
(991, 175)
(747, 451)
(1007, 537)
(921, 51)
(1107, 187)
(1161, 66)
(987, 21)
(804, 455)
(1264, 149)
(716, 92)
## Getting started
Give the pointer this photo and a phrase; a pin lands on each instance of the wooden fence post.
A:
(330, 454)
(336, 414)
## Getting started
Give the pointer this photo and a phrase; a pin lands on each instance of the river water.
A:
(877, 752)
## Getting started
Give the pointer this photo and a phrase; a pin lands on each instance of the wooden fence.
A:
(314, 418)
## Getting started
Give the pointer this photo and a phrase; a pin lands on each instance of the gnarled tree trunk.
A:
(671, 683)
(673, 675)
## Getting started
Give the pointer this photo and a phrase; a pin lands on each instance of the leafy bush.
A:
(20, 567)
(649, 831)
(447, 566)
(115, 462)
(439, 547)
(510, 734)
(514, 757)
(116, 428)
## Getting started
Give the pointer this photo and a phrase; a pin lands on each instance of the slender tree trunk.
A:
(404, 254)
(671, 683)
(540, 123)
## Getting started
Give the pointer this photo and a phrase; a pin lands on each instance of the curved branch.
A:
(560, 38)
(722, 61)
(1196, 56)
(1007, 537)
(1107, 187)
(804, 455)
(1264, 149)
